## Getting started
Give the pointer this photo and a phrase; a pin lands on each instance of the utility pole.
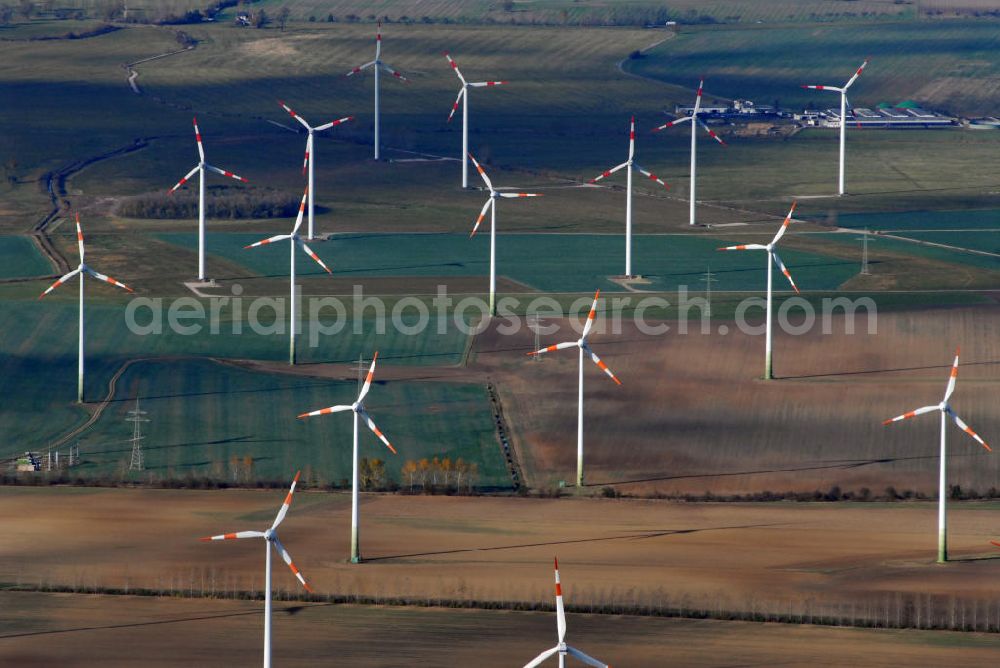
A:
(708, 280)
(137, 417)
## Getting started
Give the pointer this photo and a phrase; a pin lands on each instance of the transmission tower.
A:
(360, 366)
(708, 280)
(864, 239)
(137, 417)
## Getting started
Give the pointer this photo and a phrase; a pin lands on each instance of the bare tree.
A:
(282, 16)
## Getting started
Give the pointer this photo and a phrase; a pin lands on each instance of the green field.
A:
(20, 258)
(917, 221)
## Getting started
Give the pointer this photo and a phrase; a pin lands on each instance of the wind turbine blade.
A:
(107, 279)
(697, 98)
(651, 176)
(60, 281)
(302, 210)
(312, 254)
(856, 74)
(676, 121)
(785, 224)
(517, 195)
(966, 428)
(454, 66)
(608, 172)
(280, 517)
(197, 138)
(913, 413)
(375, 430)
(223, 172)
(483, 84)
(79, 237)
(833, 88)
(557, 346)
(458, 100)
(394, 73)
(368, 379)
(540, 659)
(234, 536)
(560, 610)
(269, 240)
(591, 316)
(711, 132)
(294, 115)
(784, 270)
(291, 565)
(184, 180)
(331, 124)
(482, 173)
(741, 247)
(601, 365)
(378, 39)
(631, 139)
(953, 378)
(359, 68)
(580, 656)
(326, 411)
(482, 215)
(309, 148)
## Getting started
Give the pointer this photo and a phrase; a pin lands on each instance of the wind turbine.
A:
(358, 408)
(581, 343)
(82, 269)
(562, 649)
(843, 116)
(695, 122)
(946, 411)
(771, 255)
(630, 163)
(491, 204)
(270, 538)
(200, 168)
(379, 65)
(310, 159)
(294, 240)
(463, 98)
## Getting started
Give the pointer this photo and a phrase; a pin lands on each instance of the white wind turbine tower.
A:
(771, 255)
(358, 408)
(695, 122)
(294, 240)
(270, 538)
(200, 168)
(629, 165)
(463, 99)
(562, 649)
(491, 204)
(310, 160)
(82, 270)
(843, 117)
(946, 411)
(378, 65)
(581, 343)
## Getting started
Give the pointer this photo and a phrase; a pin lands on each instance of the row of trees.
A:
(440, 473)
(219, 203)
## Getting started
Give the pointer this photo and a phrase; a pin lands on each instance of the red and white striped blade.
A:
(741, 247)
(79, 238)
(454, 107)
(711, 132)
(697, 97)
(560, 610)
(554, 347)
(184, 180)
(833, 88)
(966, 428)
(287, 558)
(676, 121)
(856, 74)
(378, 40)
(651, 176)
(601, 365)
(368, 379)
(294, 115)
(269, 240)
(359, 68)
(309, 148)
(484, 84)
(375, 430)
(482, 172)
(631, 139)
(280, 517)
(302, 211)
(591, 316)
(326, 411)
(394, 73)
(223, 172)
(953, 378)
(585, 658)
(784, 224)
(332, 124)
(784, 270)
(59, 282)
(482, 216)
(308, 251)
(913, 413)
(993, 542)
(541, 658)
(234, 536)
(516, 195)
(197, 138)
(107, 279)
(454, 66)
(605, 174)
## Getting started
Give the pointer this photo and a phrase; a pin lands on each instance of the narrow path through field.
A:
(134, 73)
